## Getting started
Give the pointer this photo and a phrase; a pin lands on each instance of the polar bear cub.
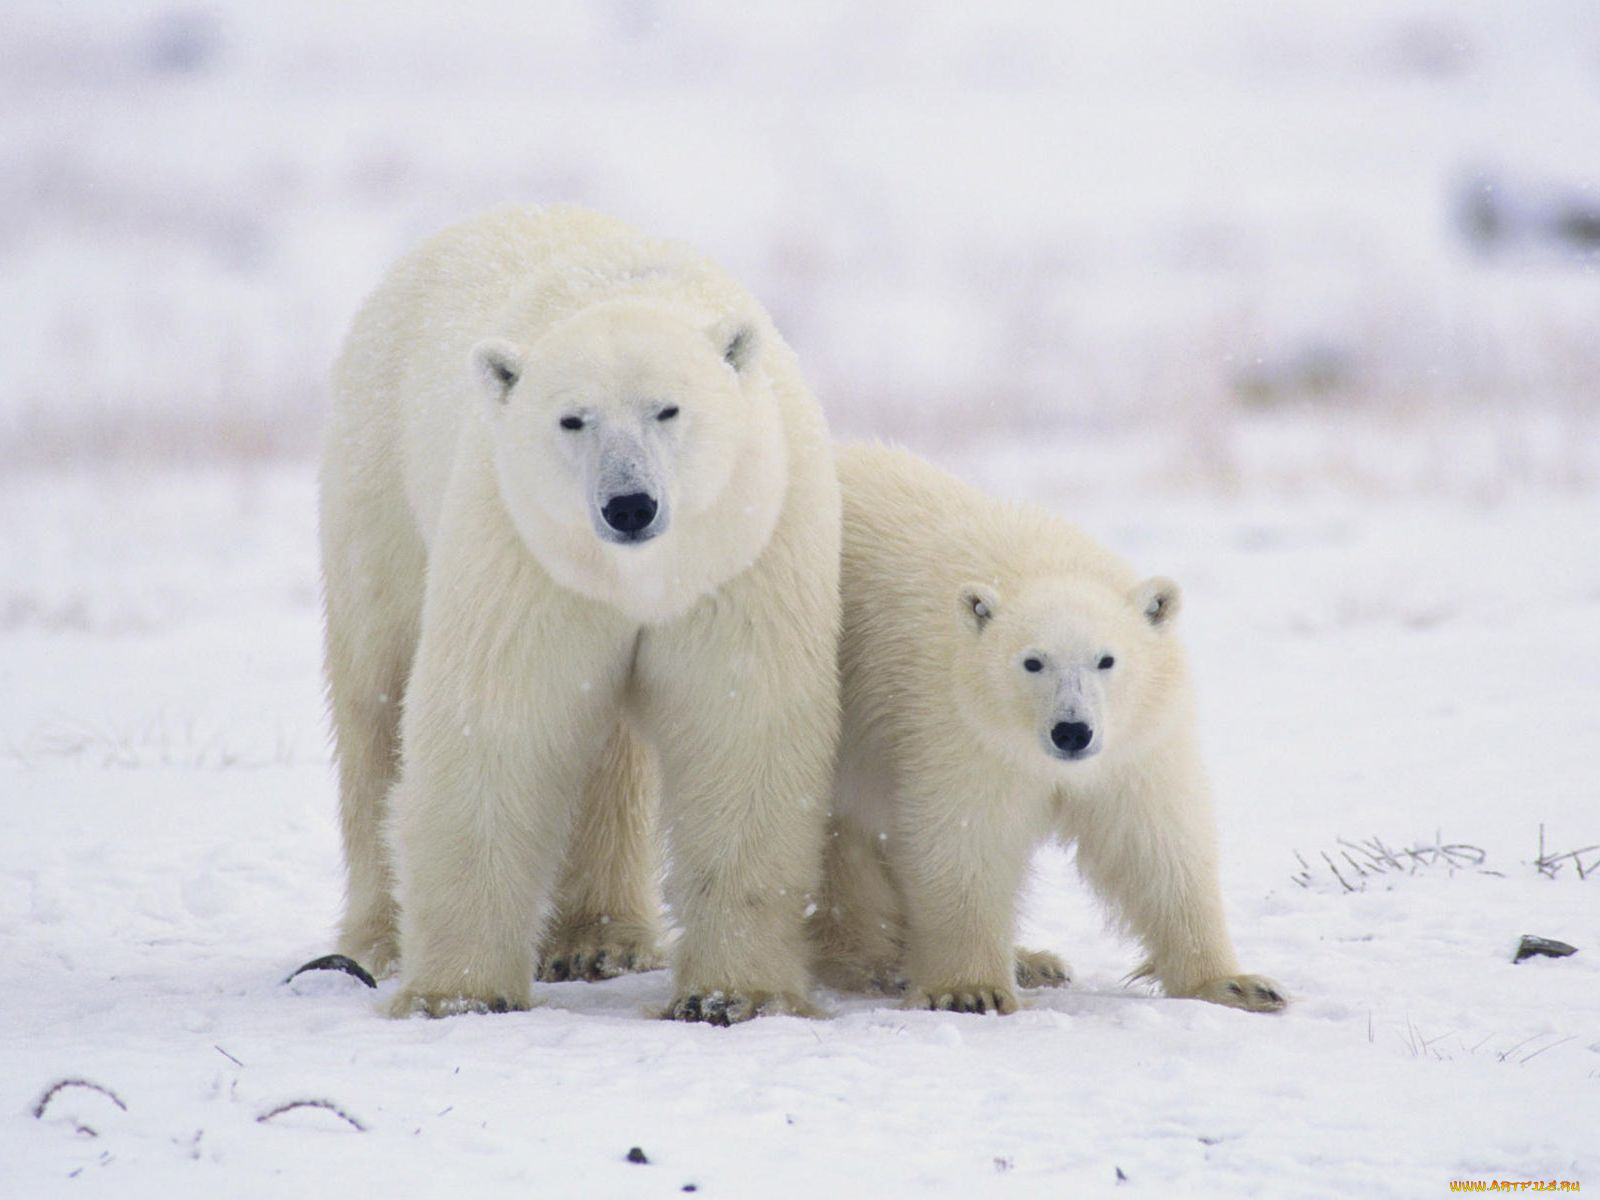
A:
(580, 535)
(1006, 679)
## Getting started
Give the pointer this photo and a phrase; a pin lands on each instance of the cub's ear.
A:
(977, 605)
(1159, 599)
(497, 364)
(737, 341)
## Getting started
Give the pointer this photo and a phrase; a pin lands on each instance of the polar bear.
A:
(580, 540)
(1005, 679)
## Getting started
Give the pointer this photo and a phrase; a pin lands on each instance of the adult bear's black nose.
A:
(630, 513)
(1071, 736)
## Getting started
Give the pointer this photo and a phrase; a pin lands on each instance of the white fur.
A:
(949, 774)
(555, 675)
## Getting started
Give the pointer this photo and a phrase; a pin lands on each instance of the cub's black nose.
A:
(630, 513)
(1071, 736)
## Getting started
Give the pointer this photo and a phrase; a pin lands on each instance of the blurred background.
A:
(1298, 246)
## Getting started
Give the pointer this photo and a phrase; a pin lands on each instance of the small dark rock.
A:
(1121, 1178)
(636, 1155)
(1532, 946)
(689, 1187)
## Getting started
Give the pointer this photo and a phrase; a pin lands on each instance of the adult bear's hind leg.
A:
(373, 572)
(608, 905)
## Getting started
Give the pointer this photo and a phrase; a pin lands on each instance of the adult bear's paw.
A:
(409, 1002)
(730, 1008)
(1040, 969)
(595, 950)
(1253, 993)
(963, 997)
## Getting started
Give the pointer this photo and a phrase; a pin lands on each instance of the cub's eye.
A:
(1032, 665)
(667, 413)
(572, 422)
(1107, 663)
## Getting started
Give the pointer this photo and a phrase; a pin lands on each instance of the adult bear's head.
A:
(624, 425)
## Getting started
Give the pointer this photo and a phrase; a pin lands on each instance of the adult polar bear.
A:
(1006, 678)
(580, 530)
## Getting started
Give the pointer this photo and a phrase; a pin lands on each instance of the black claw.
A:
(559, 971)
(1272, 995)
(499, 1005)
(597, 966)
(1235, 989)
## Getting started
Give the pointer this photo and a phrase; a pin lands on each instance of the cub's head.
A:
(619, 420)
(1065, 670)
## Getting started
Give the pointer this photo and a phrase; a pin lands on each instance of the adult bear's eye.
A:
(667, 413)
(572, 422)
(1032, 664)
(1107, 663)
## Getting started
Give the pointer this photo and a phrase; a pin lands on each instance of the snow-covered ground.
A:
(1296, 303)
(1369, 669)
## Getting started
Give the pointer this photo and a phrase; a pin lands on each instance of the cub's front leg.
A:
(1149, 848)
(958, 852)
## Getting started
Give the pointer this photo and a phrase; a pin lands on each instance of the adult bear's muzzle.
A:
(631, 515)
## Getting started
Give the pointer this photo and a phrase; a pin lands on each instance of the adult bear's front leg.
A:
(742, 701)
(515, 690)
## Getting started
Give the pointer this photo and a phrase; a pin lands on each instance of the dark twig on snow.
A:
(1550, 863)
(226, 1055)
(335, 962)
(50, 1094)
(329, 1105)
(1364, 861)
(1551, 1046)
(1505, 1055)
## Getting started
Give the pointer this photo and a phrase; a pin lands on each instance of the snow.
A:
(1192, 275)
(171, 854)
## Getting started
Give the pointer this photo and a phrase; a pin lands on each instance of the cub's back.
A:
(913, 534)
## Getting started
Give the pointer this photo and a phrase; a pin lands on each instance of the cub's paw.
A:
(1253, 993)
(1041, 969)
(409, 1002)
(963, 997)
(730, 1008)
(595, 950)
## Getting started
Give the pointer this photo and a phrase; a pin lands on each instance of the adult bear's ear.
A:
(737, 341)
(977, 605)
(497, 364)
(1159, 599)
